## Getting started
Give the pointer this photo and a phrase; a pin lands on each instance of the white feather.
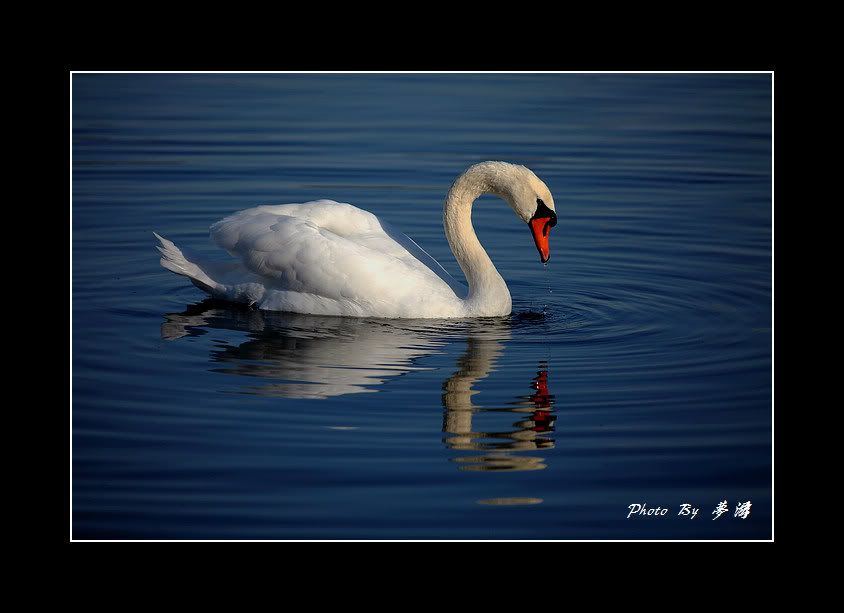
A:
(322, 257)
(332, 258)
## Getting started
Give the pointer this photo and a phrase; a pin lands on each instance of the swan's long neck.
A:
(488, 293)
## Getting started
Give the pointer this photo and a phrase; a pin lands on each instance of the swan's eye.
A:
(542, 210)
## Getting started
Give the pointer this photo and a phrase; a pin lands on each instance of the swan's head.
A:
(526, 194)
(533, 202)
(529, 197)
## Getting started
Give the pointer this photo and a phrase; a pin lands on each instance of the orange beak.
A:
(540, 227)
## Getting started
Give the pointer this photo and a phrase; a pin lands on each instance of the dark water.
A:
(648, 380)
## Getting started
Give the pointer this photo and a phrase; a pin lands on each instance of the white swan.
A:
(332, 258)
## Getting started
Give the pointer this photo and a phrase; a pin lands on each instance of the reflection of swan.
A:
(305, 356)
(478, 361)
(331, 258)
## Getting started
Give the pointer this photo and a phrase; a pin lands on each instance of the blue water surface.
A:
(635, 369)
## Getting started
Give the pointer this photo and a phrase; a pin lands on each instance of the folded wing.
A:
(333, 250)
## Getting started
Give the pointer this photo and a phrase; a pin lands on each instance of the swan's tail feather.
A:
(173, 259)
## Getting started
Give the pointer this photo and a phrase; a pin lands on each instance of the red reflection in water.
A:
(542, 418)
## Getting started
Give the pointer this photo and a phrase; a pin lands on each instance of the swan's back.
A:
(333, 258)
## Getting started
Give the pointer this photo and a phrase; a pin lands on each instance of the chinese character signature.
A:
(742, 509)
